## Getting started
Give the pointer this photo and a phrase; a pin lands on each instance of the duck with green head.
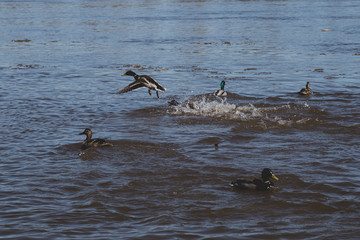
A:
(256, 184)
(221, 92)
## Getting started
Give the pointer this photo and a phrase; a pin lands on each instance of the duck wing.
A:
(99, 142)
(243, 184)
(302, 91)
(220, 93)
(262, 186)
(96, 142)
(132, 86)
(151, 83)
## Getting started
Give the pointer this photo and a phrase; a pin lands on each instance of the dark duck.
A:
(221, 92)
(306, 90)
(142, 81)
(257, 184)
(90, 142)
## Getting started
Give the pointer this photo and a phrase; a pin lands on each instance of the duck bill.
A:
(123, 74)
(274, 177)
(81, 133)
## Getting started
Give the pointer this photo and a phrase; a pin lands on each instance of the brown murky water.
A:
(164, 178)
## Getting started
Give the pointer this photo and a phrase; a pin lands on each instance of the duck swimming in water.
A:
(89, 142)
(142, 81)
(256, 184)
(221, 92)
(306, 90)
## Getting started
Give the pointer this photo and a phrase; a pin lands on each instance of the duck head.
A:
(308, 85)
(267, 174)
(129, 73)
(87, 132)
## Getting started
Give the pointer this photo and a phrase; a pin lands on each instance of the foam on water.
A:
(283, 114)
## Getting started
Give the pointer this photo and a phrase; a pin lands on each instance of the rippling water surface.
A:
(61, 61)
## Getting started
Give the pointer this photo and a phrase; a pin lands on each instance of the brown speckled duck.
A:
(89, 142)
(306, 90)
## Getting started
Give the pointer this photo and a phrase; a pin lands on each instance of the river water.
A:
(61, 63)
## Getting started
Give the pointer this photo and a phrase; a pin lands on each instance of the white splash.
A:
(280, 115)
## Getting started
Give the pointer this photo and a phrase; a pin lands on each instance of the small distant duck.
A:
(142, 81)
(256, 184)
(221, 92)
(89, 142)
(307, 90)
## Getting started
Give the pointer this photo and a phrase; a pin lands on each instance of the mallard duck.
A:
(89, 142)
(306, 90)
(142, 81)
(221, 92)
(256, 184)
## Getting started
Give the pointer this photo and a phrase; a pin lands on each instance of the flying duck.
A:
(142, 81)
(89, 142)
(307, 90)
(256, 184)
(221, 92)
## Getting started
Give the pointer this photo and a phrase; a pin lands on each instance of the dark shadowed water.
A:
(61, 61)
